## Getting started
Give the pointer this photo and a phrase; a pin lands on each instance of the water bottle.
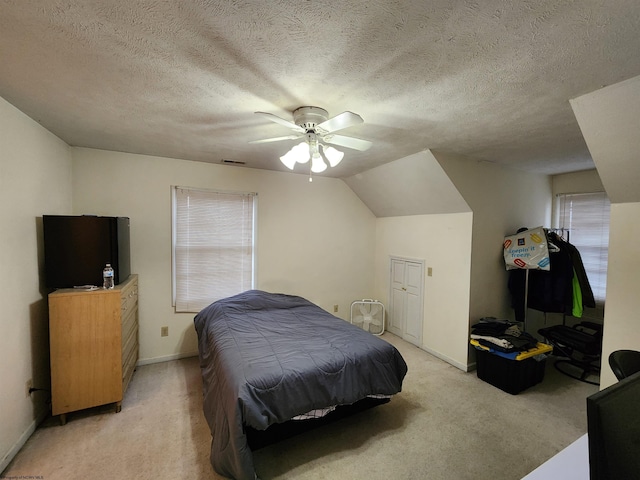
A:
(107, 276)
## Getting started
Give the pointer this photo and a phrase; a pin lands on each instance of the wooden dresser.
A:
(93, 338)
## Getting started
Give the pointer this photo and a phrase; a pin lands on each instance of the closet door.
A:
(406, 309)
(398, 297)
(414, 314)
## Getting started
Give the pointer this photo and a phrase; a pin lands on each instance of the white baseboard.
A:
(462, 366)
(6, 460)
(165, 358)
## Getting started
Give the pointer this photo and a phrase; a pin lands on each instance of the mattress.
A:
(266, 358)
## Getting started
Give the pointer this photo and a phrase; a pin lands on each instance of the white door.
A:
(406, 305)
(398, 294)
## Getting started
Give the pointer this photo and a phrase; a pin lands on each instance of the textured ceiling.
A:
(488, 79)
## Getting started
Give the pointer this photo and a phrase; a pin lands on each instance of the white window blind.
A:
(586, 217)
(213, 246)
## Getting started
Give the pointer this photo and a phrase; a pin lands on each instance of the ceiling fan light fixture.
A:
(333, 156)
(313, 124)
(303, 152)
(298, 154)
(288, 159)
(317, 164)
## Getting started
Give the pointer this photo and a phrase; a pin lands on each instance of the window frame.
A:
(598, 288)
(174, 235)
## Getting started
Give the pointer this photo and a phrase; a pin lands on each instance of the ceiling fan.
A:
(312, 125)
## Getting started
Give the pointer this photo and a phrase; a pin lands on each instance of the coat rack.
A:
(527, 250)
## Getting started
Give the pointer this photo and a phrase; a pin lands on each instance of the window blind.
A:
(213, 246)
(586, 217)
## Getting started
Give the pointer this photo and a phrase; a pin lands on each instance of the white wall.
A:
(421, 215)
(314, 239)
(502, 200)
(621, 316)
(621, 321)
(488, 203)
(35, 179)
(610, 122)
(444, 242)
(586, 181)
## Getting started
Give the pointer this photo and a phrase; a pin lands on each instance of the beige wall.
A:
(443, 242)
(314, 239)
(35, 179)
(621, 317)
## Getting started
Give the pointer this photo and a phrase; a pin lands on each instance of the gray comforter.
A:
(266, 358)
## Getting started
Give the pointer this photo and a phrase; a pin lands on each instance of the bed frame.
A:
(266, 358)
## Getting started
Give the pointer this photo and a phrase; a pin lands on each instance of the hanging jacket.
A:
(588, 299)
(549, 291)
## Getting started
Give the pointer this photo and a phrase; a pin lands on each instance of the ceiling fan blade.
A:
(276, 139)
(343, 120)
(349, 142)
(281, 121)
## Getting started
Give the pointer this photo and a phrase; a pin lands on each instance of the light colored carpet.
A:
(446, 424)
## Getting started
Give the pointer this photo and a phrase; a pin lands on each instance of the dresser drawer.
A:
(129, 365)
(129, 323)
(129, 298)
(130, 344)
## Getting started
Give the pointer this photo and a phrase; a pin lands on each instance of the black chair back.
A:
(624, 363)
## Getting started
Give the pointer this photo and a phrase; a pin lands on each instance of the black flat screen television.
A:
(613, 418)
(77, 248)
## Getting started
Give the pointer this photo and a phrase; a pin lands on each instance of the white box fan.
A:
(368, 314)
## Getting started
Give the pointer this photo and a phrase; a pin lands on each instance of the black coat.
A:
(549, 291)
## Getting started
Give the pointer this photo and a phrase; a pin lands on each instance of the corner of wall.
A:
(37, 159)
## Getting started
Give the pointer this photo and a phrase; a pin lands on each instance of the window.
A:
(213, 246)
(586, 218)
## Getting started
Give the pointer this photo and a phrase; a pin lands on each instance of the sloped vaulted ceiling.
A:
(490, 80)
(610, 121)
(414, 185)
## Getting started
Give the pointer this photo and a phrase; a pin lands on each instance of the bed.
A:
(266, 358)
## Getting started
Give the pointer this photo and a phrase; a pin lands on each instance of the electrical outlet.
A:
(164, 331)
(335, 309)
(27, 387)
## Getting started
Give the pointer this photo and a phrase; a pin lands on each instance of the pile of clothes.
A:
(502, 336)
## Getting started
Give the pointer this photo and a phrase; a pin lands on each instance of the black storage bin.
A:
(511, 376)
